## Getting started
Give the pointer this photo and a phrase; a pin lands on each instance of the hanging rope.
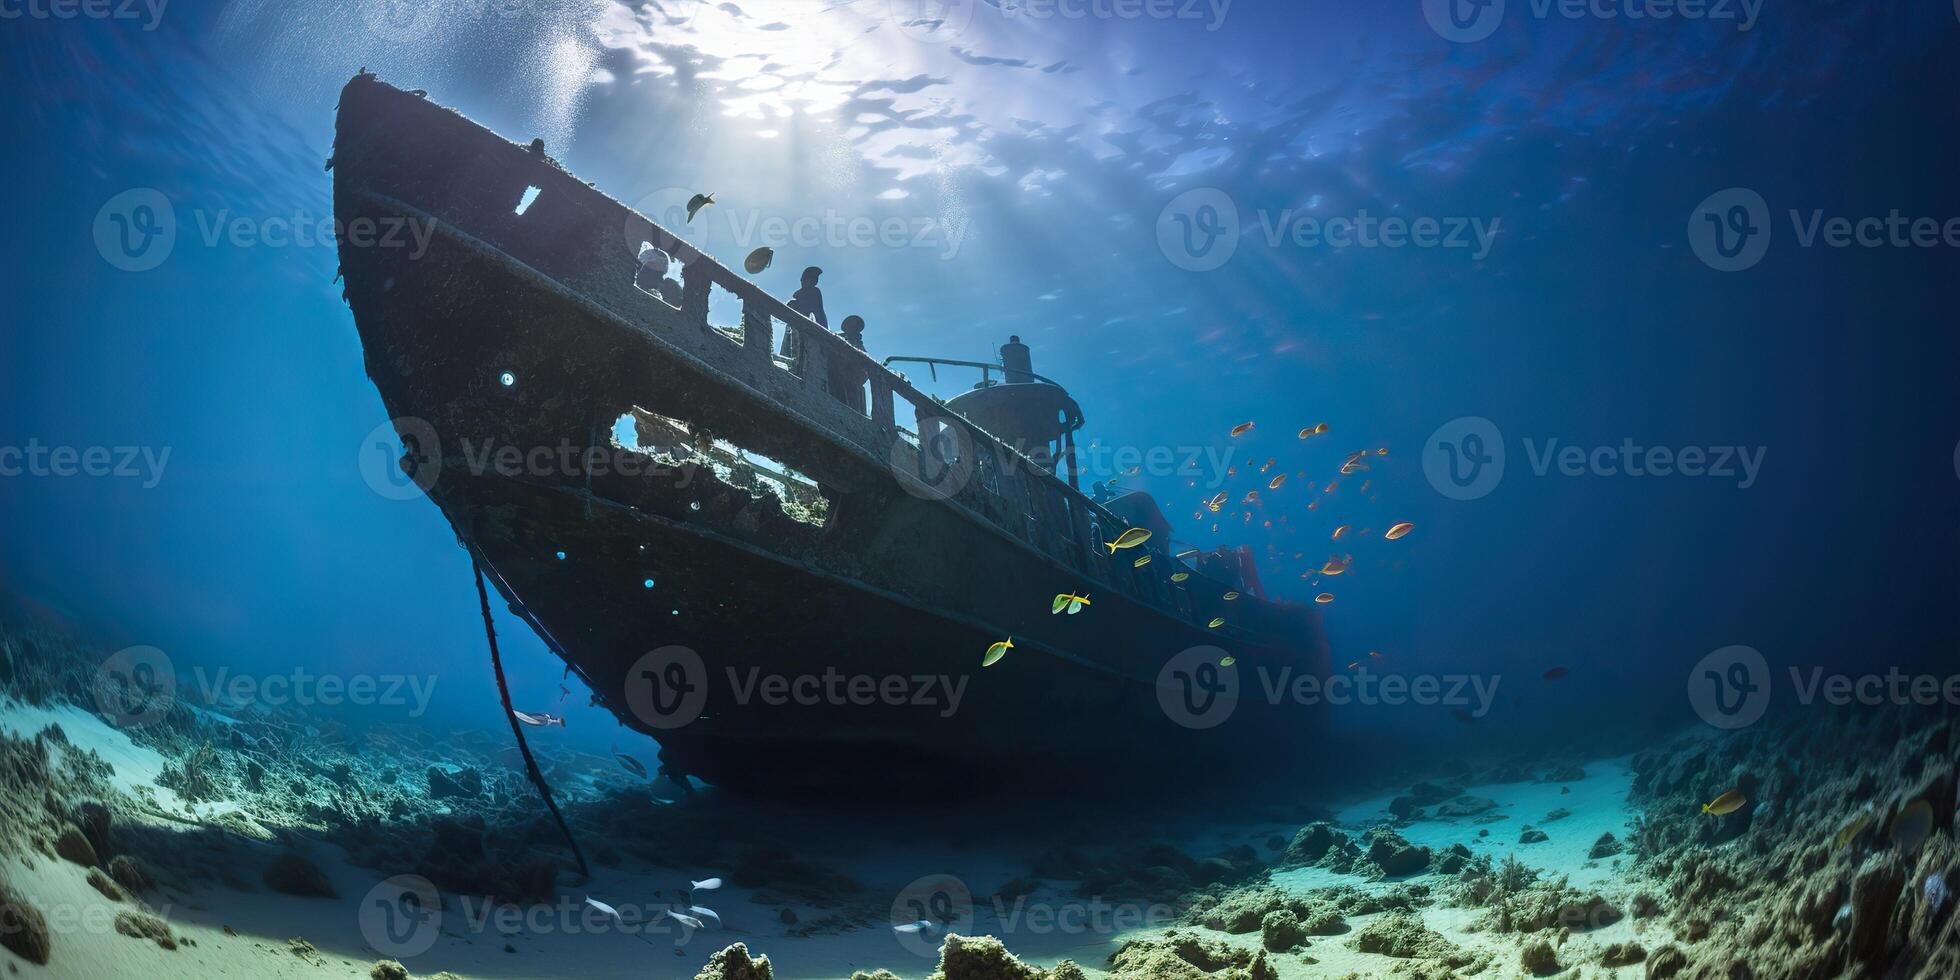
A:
(503, 688)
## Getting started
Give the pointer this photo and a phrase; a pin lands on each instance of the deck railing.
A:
(1062, 513)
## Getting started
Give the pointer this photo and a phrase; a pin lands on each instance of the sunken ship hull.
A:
(790, 592)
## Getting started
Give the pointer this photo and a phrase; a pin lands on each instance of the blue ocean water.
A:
(1161, 206)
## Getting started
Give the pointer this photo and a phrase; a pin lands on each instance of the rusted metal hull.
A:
(874, 620)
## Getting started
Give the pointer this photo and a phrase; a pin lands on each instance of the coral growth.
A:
(143, 925)
(735, 963)
(23, 930)
(1185, 956)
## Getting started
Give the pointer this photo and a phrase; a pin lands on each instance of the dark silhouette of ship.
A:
(683, 513)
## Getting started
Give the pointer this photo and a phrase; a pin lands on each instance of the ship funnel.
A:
(1029, 412)
(1017, 361)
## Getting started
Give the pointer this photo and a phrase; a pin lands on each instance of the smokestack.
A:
(1017, 361)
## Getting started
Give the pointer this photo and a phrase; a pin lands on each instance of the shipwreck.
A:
(717, 509)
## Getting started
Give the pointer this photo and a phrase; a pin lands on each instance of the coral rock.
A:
(22, 929)
(1539, 958)
(1281, 931)
(1605, 847)
(73, 845)
(734, 963)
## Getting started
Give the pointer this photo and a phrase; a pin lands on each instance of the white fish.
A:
(913, 928)
(706, 915)
(706, 884)
(687, 920)
(603, 907)
(539, 720)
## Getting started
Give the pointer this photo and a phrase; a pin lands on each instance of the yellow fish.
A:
(1145, 560)
(1241, 429)
(1725, 804)
(1070, 601)
(1180, 576)
(1217, 622)
(1229, 596)
(1399, 530)
(1228, 661)
(1324, 598)
(1340, 531)
(1851, 830)
(1128, 539)
(997, 651)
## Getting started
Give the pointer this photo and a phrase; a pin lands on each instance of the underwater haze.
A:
(1641, 313)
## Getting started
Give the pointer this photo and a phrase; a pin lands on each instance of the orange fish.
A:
(1399, 530)
(1324, 598)
(1241, 429)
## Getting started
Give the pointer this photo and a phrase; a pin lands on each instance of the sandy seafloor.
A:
(248, 841)
(247, 934)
